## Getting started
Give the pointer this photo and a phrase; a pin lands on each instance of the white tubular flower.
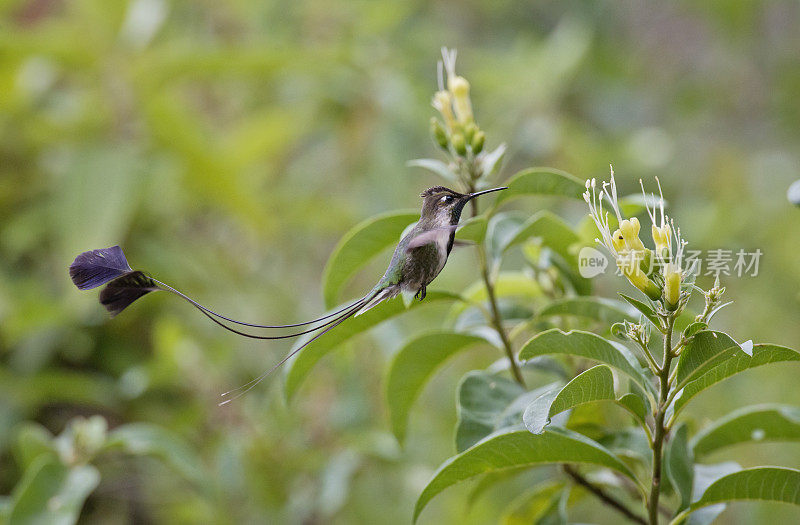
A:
(662, 235)
(458, 87)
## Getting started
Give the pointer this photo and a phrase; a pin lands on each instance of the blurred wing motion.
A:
(124, 285)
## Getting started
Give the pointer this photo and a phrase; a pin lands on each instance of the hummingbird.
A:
(417, 260)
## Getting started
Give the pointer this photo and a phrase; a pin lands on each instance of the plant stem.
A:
(605, 497)
(660, 429)
(496, 320)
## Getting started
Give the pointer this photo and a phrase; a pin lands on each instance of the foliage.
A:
(227, 146)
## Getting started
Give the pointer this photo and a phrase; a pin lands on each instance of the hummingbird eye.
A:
(447, 199)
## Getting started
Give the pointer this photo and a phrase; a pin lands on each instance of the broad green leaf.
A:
(413, 365)
(516, 448)
(435, 166)
(152, 440)
(702, 353)
(763, 354)
(50, 492)
(583, 344)
(694, 328)
(490, 162)
(597, 308)
(645, 310)
(759, 423)
(487, 402)
(33, 440)
(777, 484)
(358, 246)
(473, 229)
(533, 505)
(502, 228)
(704, 476)
(300, 365)
(543, 181)
(679, 462)
(507, 284)
(551, 229)
(594, 384)
(481, 399)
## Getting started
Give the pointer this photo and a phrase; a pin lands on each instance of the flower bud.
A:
(459, 87)
(662, 239)
(672, 286)
(638, 278)
(438, 133)
(477, 142)
(443, 102)
(459, 144)
(469, 131)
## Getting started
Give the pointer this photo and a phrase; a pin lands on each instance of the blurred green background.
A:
(227, 146)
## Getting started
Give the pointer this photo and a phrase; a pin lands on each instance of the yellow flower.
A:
(443, 103)
(672, 286)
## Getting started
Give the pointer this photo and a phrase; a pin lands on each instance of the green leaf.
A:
(704, 476)
(584, 344)
(543, 181)
(152, 440)
(502, 228)
(33, 440)
(516, 448)
(679, 463)
(413, 365)
(645, 310)
(358, 246)
(703, 352)
(481, 399)
(595, 384)
(300, 365)
(533, 505)
(763, 354)
(435, 166)
(473, 229)
(50, 492)
(694, 328)
(507, 284)
(759, 423)
(551, 229)
(489, 162)
(487, 402)
(777, 484)
(597, 308)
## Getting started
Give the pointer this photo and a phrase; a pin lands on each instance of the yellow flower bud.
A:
(477, 142)
(637, 277)
(672, 286)
(662, 239)
(459, 87)
(443, 102)
(469, 131)
(459, 144)
(438, 133)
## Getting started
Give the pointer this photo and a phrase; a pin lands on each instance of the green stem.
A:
(495, 318)
(660, 429)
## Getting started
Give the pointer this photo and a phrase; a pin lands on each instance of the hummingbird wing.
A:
(429, 236)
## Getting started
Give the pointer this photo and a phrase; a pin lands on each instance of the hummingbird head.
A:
(443, 206)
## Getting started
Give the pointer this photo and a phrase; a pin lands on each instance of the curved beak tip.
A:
(473, 195)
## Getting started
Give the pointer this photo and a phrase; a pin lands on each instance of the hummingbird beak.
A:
(473, 195)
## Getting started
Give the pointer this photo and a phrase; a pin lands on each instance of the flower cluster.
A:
(659, 272)
(457, 132)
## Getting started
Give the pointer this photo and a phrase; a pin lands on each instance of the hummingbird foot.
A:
(420, 294)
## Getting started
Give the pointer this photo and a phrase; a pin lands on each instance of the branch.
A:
(605, 497)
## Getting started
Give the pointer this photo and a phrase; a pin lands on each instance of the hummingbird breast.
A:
(423, 264)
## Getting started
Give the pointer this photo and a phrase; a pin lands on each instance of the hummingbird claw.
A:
(420, 294)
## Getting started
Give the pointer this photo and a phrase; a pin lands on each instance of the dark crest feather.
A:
(96, 267)
(438, 190)
(122, 291)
